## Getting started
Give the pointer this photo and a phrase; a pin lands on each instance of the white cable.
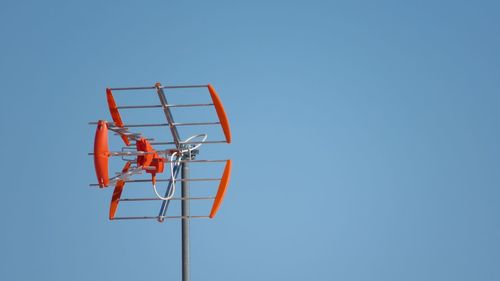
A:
(198, 145)
(177, 162)
(172, 177)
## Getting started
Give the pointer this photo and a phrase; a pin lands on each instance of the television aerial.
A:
(144, 156)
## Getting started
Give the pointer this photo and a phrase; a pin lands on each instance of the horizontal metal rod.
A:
(162, 87)
(189, 142)
(133, 146)
(197, 161)
(138, 106)
(128, 134)
(158, 217)
(164, 124)
(160, 106)
(177, 198)
(133, 88)
(196, 123)
(135, 153)
(145, 125)
(200, 161)
(165, 180)
(190, 105)
(124, 130)
(138, 153)
(131, 125)
(168, 180)
(181, 87)
(131, 153)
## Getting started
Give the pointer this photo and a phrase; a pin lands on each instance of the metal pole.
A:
(164, 204)
(185, 221)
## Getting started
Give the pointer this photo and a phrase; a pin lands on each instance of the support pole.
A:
(185, 221)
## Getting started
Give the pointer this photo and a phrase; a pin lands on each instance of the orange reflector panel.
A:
(115, 114)
(222, 189)
(101, 153)
(221, 113)
(117, 193)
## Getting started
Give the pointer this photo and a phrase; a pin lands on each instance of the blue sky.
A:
(366, 142)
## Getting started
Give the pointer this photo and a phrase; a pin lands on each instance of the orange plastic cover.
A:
(143, 145)
(117, 193)
(101, 153)
(113, 109)
(222, 189)
(221, 113)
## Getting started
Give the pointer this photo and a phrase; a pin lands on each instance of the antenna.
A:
(145, 156)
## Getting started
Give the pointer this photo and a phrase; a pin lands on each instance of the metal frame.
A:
(168, 115)
(181, 163)
(157, 217)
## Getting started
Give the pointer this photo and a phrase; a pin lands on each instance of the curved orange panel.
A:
(117, 193)
(101, 153)
(222, 189)
(113, 109)
(221, 113)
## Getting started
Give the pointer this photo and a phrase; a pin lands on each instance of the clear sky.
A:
(366, 138)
